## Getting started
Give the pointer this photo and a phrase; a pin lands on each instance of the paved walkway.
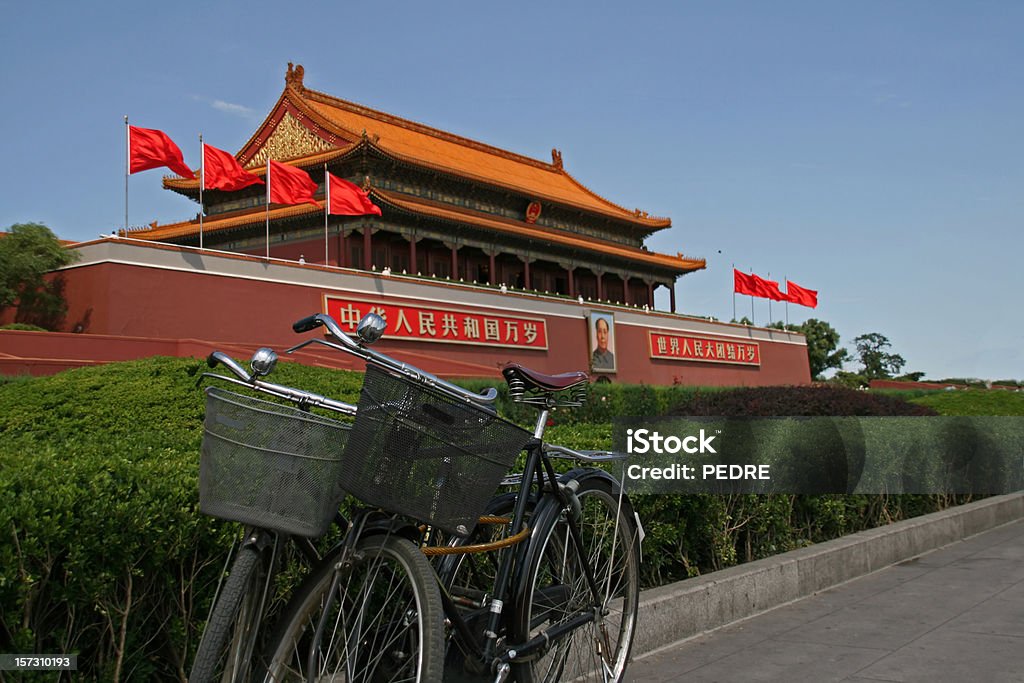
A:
(954, 614)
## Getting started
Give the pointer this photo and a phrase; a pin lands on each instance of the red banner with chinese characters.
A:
(703, 349)
(446, 325)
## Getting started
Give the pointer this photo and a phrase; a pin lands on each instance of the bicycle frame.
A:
(512, 565)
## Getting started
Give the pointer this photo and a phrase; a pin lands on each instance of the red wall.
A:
(121, 299)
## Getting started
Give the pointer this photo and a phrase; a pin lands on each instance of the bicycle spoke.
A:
(375, 622)
(595, 650)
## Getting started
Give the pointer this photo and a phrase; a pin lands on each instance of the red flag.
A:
(289, 185)
(769, 289)
(148, 148)
(348, 199)
(221, 171)
(799, 295)
(743, 283)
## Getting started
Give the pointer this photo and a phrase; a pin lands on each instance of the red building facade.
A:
(143, 298)
(480, 256)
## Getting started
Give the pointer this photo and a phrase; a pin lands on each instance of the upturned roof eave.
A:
(651, 224)
(435, 210)
(614, 210)
(258, 215)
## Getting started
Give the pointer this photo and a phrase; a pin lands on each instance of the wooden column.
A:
(342, 248)
(526, 274)
(572, 281)
(492, 274)
(625, 289)
(672, 296)
(412, 253)
(650, 294)
(367, 247)
(455, 263)
(600, 288)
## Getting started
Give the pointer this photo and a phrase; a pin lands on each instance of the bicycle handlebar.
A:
(298, 396)
(230, 363)
(349, 345)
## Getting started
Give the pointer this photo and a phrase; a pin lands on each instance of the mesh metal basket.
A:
(270, 465)
(420, 452)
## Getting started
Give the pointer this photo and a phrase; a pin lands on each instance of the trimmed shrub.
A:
(810, 401)
(104, 553)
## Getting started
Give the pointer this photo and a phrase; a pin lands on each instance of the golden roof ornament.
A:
(294, 76)
(556, 158)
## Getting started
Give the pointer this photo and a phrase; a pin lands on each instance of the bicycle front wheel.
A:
(378, 614)
(556, 589)
(230, 637)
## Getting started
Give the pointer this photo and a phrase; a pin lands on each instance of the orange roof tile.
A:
(527, 230)
(423, 207)
(216, 224)
(444, 151)
(346, 123)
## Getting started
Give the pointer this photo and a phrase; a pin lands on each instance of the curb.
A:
(687, 608)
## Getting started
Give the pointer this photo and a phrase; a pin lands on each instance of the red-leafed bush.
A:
(810, 401)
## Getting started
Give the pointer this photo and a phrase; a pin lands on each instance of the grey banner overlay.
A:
(817, 455)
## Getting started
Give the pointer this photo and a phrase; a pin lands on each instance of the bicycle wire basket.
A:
(270, 465)
(423, 453)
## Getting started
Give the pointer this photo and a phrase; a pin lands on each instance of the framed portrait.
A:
(602, 342)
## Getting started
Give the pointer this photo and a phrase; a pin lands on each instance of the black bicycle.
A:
(540, 582)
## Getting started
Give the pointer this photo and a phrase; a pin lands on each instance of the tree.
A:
(877, 362)
(27, 252)
(823, 350)
(911, 377)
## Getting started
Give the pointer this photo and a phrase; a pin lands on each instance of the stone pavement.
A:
(953, 614)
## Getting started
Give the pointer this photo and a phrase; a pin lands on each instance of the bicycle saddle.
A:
(538, 381)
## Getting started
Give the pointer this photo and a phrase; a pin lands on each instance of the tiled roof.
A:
(529, 231)
(446, 152)
(428, 208)
(236, 219)
(347, 125)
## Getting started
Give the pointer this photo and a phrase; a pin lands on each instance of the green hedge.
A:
(103, 551)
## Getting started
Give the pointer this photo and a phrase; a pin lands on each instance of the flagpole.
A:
(202, 181)
(127, 168)
(327, 208)
(787, 302)
(734, 291)
(751, 304)
(268, 206)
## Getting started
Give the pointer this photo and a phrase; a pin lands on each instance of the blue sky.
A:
(872, 151)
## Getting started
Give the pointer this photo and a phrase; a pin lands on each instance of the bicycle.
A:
(249, 446)
(277, 470)
(570, 576)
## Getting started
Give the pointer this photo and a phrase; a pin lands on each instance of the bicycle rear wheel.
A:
(555, 589)
(379, 613)
(230, 637)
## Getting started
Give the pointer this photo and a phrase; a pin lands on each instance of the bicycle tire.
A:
(410, 602)
(229, 638)
(554, 586)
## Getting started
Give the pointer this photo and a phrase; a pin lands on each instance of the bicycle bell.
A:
(370, 328)
(263, 361)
